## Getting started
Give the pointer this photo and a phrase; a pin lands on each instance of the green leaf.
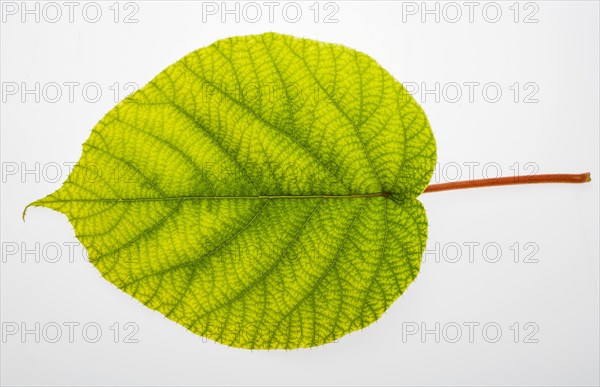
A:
(261, 192)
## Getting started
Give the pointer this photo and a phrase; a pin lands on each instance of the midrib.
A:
(171, 198)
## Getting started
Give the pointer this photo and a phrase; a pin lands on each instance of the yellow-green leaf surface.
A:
(260, 191)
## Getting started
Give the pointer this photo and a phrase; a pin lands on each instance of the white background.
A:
(558, 296)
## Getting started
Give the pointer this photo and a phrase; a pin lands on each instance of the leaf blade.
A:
(306, 229)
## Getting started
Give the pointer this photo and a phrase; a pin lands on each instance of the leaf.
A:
(261, 192)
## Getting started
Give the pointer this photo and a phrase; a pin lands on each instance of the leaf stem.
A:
(514, 180)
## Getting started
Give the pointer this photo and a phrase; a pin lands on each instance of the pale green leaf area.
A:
(261, 192)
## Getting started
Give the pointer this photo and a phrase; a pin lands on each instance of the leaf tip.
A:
(25, 210)
(32, 204)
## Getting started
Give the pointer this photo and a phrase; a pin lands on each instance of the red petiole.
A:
(533, 179)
